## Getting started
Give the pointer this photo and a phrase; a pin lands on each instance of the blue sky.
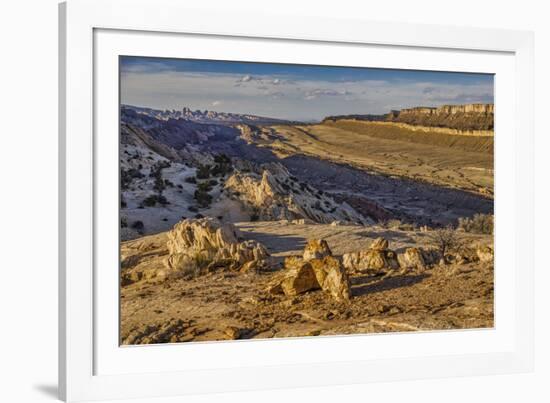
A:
(299, 92)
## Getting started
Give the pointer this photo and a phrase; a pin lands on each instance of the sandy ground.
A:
(229, 305)
(452, 161)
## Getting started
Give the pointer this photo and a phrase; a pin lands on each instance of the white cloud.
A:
(287, 97)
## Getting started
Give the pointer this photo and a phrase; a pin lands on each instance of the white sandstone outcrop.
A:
(207, 243)
(271, 193)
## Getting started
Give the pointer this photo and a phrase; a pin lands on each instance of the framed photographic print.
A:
(243, 209)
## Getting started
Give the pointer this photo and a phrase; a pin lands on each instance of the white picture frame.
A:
(92, 366)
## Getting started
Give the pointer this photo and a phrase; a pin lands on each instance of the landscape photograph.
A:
(263, 200)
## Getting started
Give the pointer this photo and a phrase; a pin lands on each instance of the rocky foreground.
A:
(205, 280)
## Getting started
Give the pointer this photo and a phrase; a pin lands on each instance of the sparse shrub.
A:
(446, 240)
(122, 201)
(204, 187)
(123, 222)
(127, 176)
(199, 215)
(138, 225)
(159, 185)
(203, 172)
(393, 223)
(222, 159)
(191, 179)
(152, 200)
(162, 200)
(478, 224)
(202, 197)
(406, 226)
(156, 172)
(193, 209)
(223, 165)
(212, 182)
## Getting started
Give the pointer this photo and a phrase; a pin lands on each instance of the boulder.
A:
(412, 258)
(291, 262)
(316, 249)
(485, 254)
(332, 277)
(299, 279)
(196, 244)
(378, 257)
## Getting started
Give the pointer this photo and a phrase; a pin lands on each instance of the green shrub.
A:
(127, 176)
(478, 224)
(203, 198)
(203, 172)
(223, 165)
(152, 200)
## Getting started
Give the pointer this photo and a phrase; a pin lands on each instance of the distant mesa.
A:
(466, 117)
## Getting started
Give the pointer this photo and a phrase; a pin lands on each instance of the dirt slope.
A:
(451, 161)
(228, 305)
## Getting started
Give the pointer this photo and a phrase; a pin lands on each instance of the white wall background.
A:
(28, 199)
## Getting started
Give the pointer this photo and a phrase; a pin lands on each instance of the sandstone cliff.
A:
(460, 117)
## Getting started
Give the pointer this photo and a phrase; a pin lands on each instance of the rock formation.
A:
(270, 193)
(316, 249)
(376, 258)
(412, 258)
(298, 279)
(323, 272)
(332, 277)
(485, 254)
(206, 244)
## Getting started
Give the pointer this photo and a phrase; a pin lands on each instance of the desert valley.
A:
(237, 226)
